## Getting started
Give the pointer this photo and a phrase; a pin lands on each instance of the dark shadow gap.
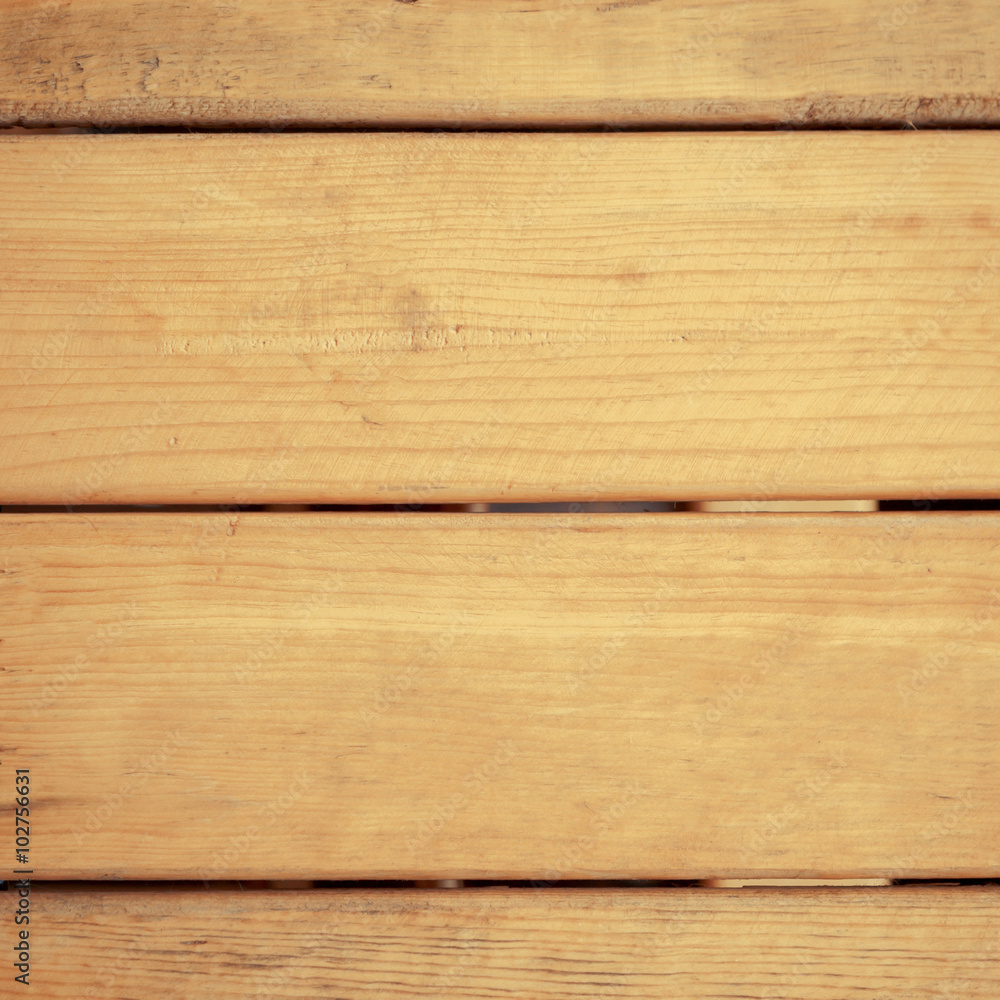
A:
(924, 505)
(562, 507)
(665, 126)
(294, 885)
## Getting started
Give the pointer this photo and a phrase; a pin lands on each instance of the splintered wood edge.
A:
(553, 63)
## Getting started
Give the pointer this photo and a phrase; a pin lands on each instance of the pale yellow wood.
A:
(418, 317)
(474, 695)
(737, 883)
(499, 62)
(644, 944)
(781, 506)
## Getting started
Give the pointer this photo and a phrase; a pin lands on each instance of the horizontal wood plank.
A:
(645, 944)
(405, 318)
(499, 62)
(500, 696)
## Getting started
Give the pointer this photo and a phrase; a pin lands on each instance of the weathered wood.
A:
(499, 62)
(412, 317)
(475, 695)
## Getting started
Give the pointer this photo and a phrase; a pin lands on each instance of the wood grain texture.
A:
(646, 944)
(504, 696)
(499, 62)
(413, 317)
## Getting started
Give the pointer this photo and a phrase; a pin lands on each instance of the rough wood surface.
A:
(645, 944)
(499, 62)
(416, 317)
(504, 696)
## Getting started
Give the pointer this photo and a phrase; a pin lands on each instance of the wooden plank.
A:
(645, 944)
(499, 62)
(498, 696)
(407, 318)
